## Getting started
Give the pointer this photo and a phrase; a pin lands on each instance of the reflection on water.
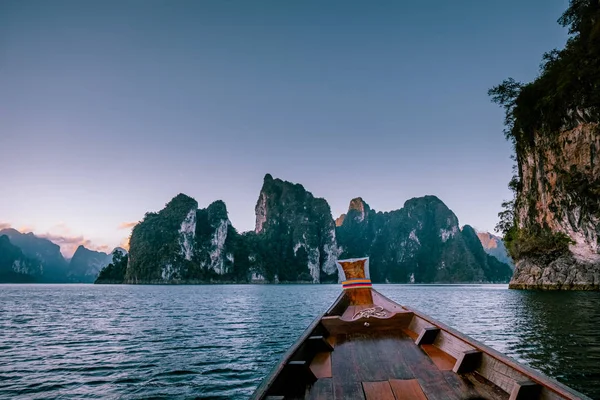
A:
(78, 341)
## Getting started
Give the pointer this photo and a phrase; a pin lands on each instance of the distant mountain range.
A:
(25, 257)
(494, 246)
(297, 240)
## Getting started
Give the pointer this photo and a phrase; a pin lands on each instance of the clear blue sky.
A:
(108, 109)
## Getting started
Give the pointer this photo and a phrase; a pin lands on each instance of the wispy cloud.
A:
(68, 244)
(125, 243)
(128, 225)
(61, 235)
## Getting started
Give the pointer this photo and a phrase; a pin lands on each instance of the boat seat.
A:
(301, 371)
(427, 336)
(442, 360)
(467, 361)
(319, 344)
(525, 390)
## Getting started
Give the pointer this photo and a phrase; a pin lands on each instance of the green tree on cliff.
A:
(564, 95)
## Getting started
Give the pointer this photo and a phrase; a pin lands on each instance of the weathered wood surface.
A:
(336, 325)
(321, 390)
(451, 344)
(385, 351)
(407, 389)
(551, 388)
(417, 325)
(321, 365)
(411, 334)
(525, 390)
(378, 390)
(442, 360)
(498, 372)
(467, 361)
(427, 335)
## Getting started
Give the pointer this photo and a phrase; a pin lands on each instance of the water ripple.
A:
(217, 342)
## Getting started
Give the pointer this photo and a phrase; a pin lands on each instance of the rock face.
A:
(296, 240)
(215, 240)
(86, 264)
(420, 243)
(15, 267)
(552, 226)
(182, 244)
(159, 246)
(296, 233)
(494, 246)
(560, 191)
(53, 267)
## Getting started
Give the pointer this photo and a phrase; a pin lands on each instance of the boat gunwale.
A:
(536, 376)
(269, 380)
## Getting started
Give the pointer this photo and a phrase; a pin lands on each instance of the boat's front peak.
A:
(367, 347)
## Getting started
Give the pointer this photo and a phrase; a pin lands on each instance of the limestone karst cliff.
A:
(297, 233)
(182, 243)
(296, 240)
(559, 193)
(419, 243)
(552, 226)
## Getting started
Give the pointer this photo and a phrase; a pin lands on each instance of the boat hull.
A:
(383, 350)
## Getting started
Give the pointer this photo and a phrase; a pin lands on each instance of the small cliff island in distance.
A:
(297, 240)
(552, 226)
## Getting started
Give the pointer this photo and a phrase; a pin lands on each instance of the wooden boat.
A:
(368, 347)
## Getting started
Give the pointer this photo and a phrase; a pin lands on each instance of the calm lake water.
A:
(134, 342)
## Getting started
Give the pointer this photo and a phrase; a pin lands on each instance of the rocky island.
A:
(296, 239)
(552, 226)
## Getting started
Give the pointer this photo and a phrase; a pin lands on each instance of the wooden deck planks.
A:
(345, 371)
(485, 388)
(407, 389)
(462, 385)
(361, 358)
(431, 379)
(441, 359)
(321, 390)
(378, 390)
(321, 365)
(365, 358)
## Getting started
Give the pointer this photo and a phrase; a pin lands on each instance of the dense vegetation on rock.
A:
(182, 243)
(16, 267)
(115, 271)
(154, 249)
(419, 243)
(551, 227)
(565, 94)
(296, 240)
(295, 234)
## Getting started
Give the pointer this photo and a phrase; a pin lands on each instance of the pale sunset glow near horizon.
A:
(110, 109)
